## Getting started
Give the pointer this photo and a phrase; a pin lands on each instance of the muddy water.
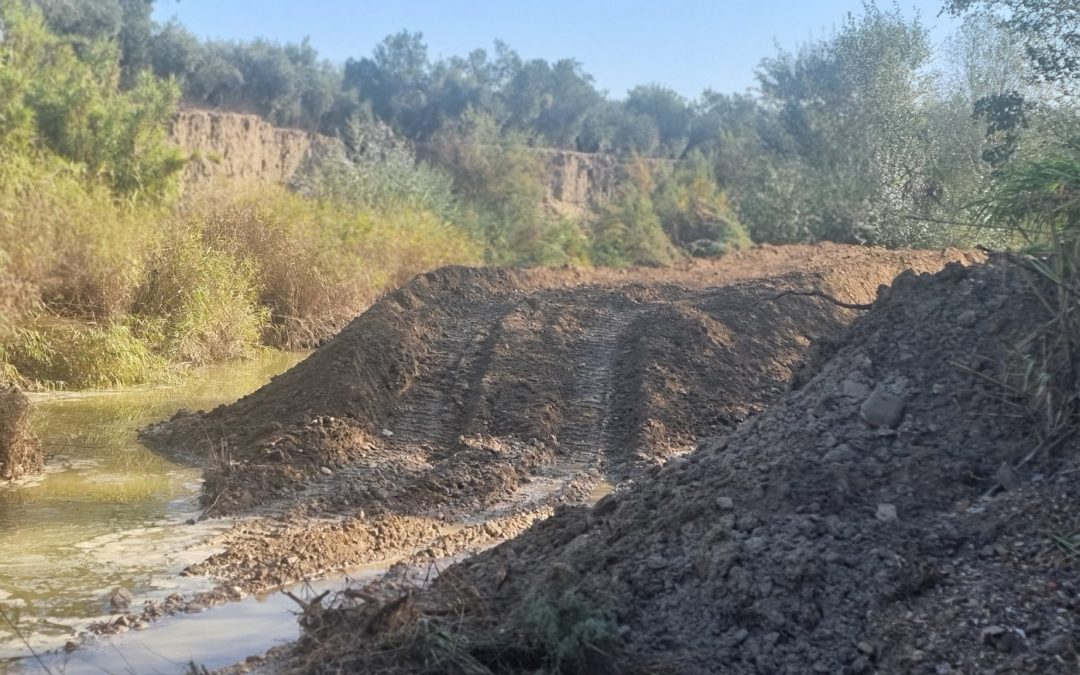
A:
(108, 512)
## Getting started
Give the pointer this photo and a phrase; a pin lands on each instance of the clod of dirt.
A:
(20, 454)
(773, 551)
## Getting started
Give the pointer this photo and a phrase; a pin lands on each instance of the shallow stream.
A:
(108, 512)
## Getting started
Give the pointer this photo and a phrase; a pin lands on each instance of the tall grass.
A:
(62, 354)
(1038, 202)
(211, 281)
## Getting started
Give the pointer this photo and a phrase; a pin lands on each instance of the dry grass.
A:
(19, 452)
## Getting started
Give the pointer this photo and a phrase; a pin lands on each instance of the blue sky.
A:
(685, 44)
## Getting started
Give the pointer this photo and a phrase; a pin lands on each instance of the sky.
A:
(688, 45)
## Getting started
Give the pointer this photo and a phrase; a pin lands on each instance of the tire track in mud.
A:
(432, 409)
(586, 435)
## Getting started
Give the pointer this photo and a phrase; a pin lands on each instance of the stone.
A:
(195, 607)
(1006, 477)
(841, 454)
(71, 645)
(725, 503)
(886, 513)
(387, 433)
(966, 318)
(882, 409)
(1057, 644)
(865, 647)
(325, 470)
(853, 389)
(121, 599)
(988, 634)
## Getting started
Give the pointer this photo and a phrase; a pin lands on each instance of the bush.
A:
(59, 354)
(572, 634)
(198, 304)
(628, 232)
(695, 213)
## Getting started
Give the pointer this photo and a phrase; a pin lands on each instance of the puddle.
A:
(108, 512)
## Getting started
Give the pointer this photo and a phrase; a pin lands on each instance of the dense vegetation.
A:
(109, 273)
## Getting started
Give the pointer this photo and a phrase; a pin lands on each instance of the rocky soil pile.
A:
(896, 512)
(20, 454)
(449, 393)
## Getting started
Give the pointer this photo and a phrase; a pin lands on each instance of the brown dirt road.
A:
(469, 403)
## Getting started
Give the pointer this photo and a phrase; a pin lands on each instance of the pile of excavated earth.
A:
(469, 404)
(20, 454)
(900, 509)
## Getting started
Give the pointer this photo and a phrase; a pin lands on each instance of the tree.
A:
(670, 112)
(1049, 30)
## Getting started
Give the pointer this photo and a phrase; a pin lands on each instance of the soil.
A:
(20, 454)
(476, 401)
(896, 511)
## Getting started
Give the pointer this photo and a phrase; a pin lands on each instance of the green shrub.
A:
(61, 354)
(197, 304)
(628, 232)
(571, 632)
(695, 213)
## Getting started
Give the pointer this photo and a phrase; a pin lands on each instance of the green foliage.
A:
(628, 232)
(695, 213)
(69, 101)
(1039, 201)
(499, 183)
(377, 170)
(57, 355)
(200, 304)
(1049, 29)
(571, 632)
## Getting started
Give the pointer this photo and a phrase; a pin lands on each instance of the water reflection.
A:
(108, 512)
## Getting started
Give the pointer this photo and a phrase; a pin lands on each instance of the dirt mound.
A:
(843, 530)
(448, 394)
(19, 451)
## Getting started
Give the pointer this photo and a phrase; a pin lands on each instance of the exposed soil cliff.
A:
(242, 148)
(234, 147)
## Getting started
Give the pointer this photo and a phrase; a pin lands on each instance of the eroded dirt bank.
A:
(894, 513)
(20, 454)
(468, 404)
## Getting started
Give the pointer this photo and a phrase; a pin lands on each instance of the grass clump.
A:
(199, 304)
(573, 634)
(59, 354)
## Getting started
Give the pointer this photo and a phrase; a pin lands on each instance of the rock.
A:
(1006, 477)
(121, 599)
(882, 409)
(866, 648)
(886, 513)
(725, 503)
(71, 645)
(966, 318)
(821, 409)
(1057, 644)
(325, 470)
(194, 607)
(387, 433)
(841, 454)
(853, 389)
